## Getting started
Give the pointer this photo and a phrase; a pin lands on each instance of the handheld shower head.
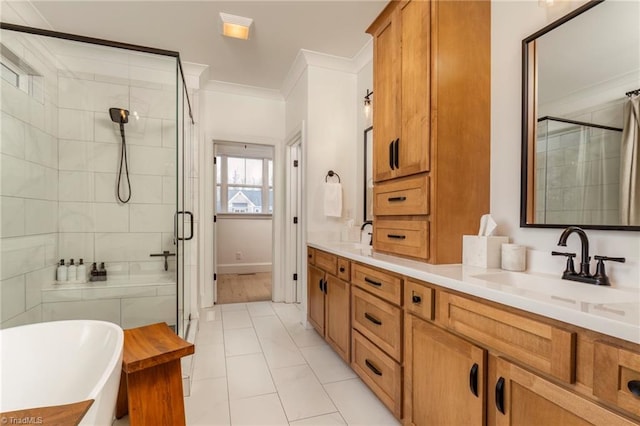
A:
(119, 115)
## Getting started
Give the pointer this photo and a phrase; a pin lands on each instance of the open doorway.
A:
(243, 222)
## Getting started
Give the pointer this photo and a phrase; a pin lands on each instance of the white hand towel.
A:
(333, 199)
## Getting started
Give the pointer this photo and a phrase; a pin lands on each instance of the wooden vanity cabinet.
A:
(328, 301)
(431, 115)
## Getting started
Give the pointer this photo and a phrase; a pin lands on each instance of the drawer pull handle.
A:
(416, 299)
(392, 199)
(372, 282)
(634, 387)
(396, 153)
(391, 162)
(342, 269)
(500, 395)
(373, 319)
(396, 237)
(473, 379)
(372, 367)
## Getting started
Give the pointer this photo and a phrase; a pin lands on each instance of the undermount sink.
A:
(556, 288)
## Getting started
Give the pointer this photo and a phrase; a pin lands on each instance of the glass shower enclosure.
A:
(96, 150)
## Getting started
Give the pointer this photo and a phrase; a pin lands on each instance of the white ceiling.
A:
(279, 31)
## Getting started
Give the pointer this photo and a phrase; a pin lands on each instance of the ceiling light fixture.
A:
(235, 26)
(546, 3)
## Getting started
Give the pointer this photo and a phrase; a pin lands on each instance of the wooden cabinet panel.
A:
(405, 237)
(386, 81)
(311, 256)
(419, 299)
(381, 283)
(315, 298)
(407, 196)
(377, 320)
(338, 316)
(379, 371)
(413, 147)
(344, 269)
(327, 262)
(440, 369)
(617, 371)
(528, 399)
(545, 347)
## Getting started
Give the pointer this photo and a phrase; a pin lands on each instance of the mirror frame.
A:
(529, 119)
(368, 146)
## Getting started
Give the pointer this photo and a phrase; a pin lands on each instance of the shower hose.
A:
(123, 159)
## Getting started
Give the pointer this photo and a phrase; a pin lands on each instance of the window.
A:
(19, 74)
(244, 185)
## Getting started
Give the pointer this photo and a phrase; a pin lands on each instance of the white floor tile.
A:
(233, 307)
(325, 420)
(278, 347)
(248, 375)
(236, 319)
(326, 364)
(304, 337)
(301, 393)
(358, 405)
(210, 333)
(241, 341)
(208, 403)
(260, 309)
(209, 362)
(258, 410)
(289, 313)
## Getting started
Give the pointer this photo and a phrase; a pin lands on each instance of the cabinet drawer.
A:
(379, 371)
(419, 299)
(404, 237)
(327, 262)
(616, 371)
(344, 269)
(311, 256)
(545, 347)
(379, 321)
(381, 283)
(408, 196)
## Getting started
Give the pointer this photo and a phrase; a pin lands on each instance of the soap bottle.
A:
(61, 272)
(102, 272)
(94, 272)
(81, 272)
(72, 271)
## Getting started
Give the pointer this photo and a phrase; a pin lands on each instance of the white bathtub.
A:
(62, 362)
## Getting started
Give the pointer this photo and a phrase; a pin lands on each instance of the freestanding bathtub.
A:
(62, 362)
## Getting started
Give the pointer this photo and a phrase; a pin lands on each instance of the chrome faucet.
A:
(600, 277)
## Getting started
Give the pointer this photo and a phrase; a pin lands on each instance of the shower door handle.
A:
(175, 226)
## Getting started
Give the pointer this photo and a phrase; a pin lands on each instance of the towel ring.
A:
(331, 173)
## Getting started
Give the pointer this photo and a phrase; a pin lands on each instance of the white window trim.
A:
(225, 186)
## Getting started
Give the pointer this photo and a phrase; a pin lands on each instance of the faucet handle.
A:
(613, 259)
(601, 275)
(569, 269)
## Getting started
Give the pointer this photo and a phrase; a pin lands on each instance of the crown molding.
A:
(243, 90)
(196, 75)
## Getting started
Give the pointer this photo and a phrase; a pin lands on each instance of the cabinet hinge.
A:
(215, 160)
(215, 218)
(215, 277)
(295, 277)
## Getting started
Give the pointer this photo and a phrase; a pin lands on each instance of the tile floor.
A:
(255, 364)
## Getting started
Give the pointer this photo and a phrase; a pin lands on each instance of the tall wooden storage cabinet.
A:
(431, 118)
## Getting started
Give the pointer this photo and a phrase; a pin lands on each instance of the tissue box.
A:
(482, 251)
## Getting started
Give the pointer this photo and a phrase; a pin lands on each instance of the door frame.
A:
(294, 253)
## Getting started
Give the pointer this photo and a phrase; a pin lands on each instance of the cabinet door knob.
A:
(320, 285)
(416, 299)
(373, 319)
(309, 256)
(500, 395)
(342, 269)
(473, 379)
(634, 387)
(325, 286)
(372, 367)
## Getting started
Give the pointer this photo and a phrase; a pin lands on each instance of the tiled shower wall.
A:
(579, 170)
(93, 225)
(29, 190)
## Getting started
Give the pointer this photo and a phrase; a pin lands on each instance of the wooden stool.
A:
(151, 380)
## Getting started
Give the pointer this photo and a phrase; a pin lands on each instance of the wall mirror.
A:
(368, 173)
(581, 76)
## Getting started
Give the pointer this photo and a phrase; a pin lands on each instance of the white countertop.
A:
(607, 310)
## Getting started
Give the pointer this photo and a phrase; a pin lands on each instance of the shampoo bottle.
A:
(71, 271)
(61, 273)
(81, 272)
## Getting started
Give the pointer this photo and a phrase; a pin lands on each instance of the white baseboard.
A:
(244, 268)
